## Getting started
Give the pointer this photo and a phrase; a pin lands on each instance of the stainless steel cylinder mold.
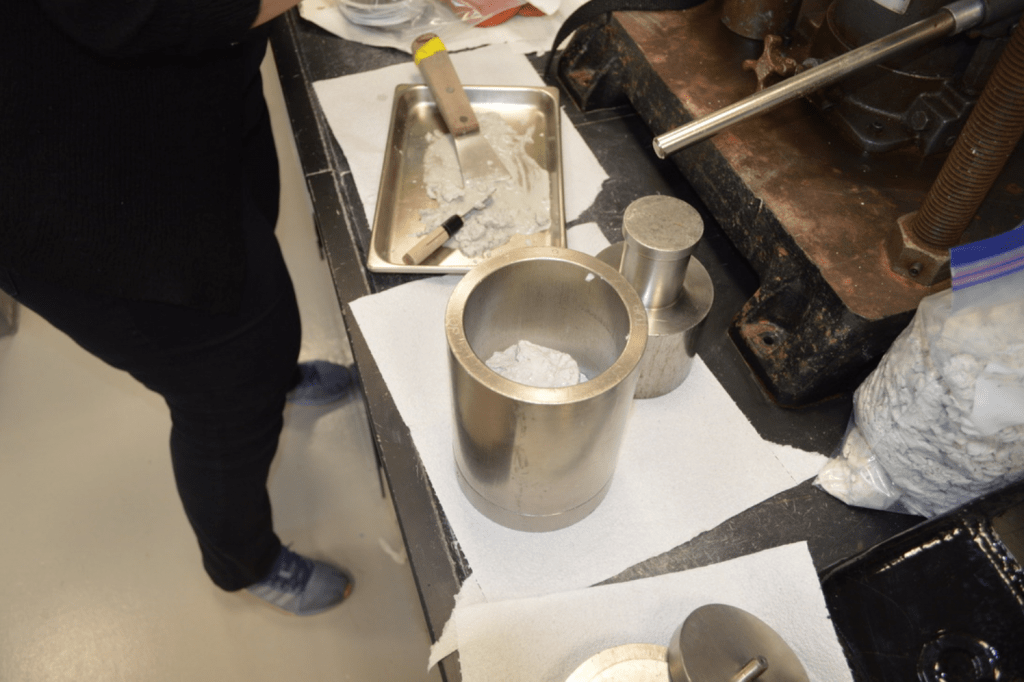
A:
(540, 459)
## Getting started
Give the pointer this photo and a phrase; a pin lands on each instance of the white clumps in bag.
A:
(940, 421)
(528, 363)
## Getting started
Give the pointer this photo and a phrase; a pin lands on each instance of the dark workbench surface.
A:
(622, 143)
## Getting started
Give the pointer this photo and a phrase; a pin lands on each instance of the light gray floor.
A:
(101, 580)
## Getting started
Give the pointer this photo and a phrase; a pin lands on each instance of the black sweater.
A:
(120, 144)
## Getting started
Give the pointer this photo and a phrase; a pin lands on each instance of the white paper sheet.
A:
(545, 639)
(690, 460)
(358, 109)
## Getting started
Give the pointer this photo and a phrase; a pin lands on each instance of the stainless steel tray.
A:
(402, 194)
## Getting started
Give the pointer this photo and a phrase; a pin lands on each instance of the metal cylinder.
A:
(530, 458)
(659, 234)
(752, 670)
(722, 642)
(992, 132)
(656, 257)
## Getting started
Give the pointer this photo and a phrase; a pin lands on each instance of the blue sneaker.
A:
(321, 383)
(302, 586)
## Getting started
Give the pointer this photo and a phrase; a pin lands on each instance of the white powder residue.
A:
(518, 205)
(527, 363)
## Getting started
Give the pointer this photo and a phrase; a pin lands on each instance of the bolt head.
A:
(913, 260)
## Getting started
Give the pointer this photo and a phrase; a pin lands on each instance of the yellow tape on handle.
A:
(432, 46)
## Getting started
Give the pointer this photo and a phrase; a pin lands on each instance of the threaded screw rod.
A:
(992, 132)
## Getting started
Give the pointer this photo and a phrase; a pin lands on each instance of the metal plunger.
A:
(656, 257)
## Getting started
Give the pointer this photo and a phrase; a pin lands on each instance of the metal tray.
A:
(402, 195)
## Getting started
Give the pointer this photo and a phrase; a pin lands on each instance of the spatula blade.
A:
(479, 162)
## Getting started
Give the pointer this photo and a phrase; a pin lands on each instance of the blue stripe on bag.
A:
(987, 259)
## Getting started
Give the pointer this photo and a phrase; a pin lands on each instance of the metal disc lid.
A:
(626, 663)
(721, 643)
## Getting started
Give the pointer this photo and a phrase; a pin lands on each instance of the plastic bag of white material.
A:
(940, 421)
(856, 477)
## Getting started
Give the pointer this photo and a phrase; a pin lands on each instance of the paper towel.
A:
(545, 639)
(689, 460)
(358, 110)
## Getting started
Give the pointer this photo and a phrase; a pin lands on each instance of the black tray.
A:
(943, 600)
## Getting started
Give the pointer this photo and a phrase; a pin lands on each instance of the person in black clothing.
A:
(138, 199)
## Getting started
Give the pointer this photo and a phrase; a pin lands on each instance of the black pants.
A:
(223, 376)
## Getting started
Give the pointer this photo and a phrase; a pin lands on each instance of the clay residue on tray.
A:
(518, 205)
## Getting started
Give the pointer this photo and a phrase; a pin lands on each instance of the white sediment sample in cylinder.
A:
(527, 363)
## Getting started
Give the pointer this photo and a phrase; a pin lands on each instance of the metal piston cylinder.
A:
(660, 234)
(532, 458)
